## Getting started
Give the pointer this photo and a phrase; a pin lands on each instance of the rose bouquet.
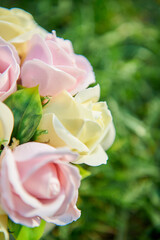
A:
(50, 122)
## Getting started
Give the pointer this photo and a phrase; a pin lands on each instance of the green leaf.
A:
(27, 110)
(83, 172)
(20, 87)
(22, 232)
(14, 228)
(38, 133)
(31, 233)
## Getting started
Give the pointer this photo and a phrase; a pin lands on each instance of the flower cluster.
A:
(50, 121)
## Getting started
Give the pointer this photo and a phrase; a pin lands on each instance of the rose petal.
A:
(38, 49)
(71, 215)
(9, 69)
(11, 29)
(7, 59)
(59, 55)
(36, 72)
(13, 176)
(87, 79)
(4, 95)
(65, 44)
(6, 123)
(64, 104)
(89, 94)
(4, 81)
(59, 135)
(4, 43)
(109, 137)
(94, 158)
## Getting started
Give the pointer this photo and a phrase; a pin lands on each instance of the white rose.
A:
(17, 26)
(6, 123)
(80, 123)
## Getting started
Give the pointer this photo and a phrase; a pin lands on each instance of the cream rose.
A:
(80, 123)
(18, 26)
(6, 123)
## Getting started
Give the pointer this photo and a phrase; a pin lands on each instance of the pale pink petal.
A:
(59, 55)
(50, 79)
(48, 209)
(4, 95)
(63, 171)
(4, 43)
(28, 167)
(72, 214)
(5, 184)
(67, 189)
(9, 164)
(70, 181)
(20, 219)
(65, 44)
(69, 216)
(73, 71)
(87, 78)
(24, 153)
(7, 59)
(9, 69)
(4, 80)
(45, 187)
(38, 49)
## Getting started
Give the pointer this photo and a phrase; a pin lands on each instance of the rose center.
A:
(44, 183)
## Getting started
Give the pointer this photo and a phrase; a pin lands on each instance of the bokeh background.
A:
(121, 39)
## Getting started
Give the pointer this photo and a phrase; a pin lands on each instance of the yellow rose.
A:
(6, 123)
(18, 26)
(80, 123)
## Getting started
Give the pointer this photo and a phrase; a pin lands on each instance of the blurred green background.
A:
(121, 38)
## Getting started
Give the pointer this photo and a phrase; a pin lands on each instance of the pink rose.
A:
(53, 65)
(9, 69)
(38, 182)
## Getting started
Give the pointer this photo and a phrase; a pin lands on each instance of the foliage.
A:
(119, 200)
(27, 110)
(22, 232)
